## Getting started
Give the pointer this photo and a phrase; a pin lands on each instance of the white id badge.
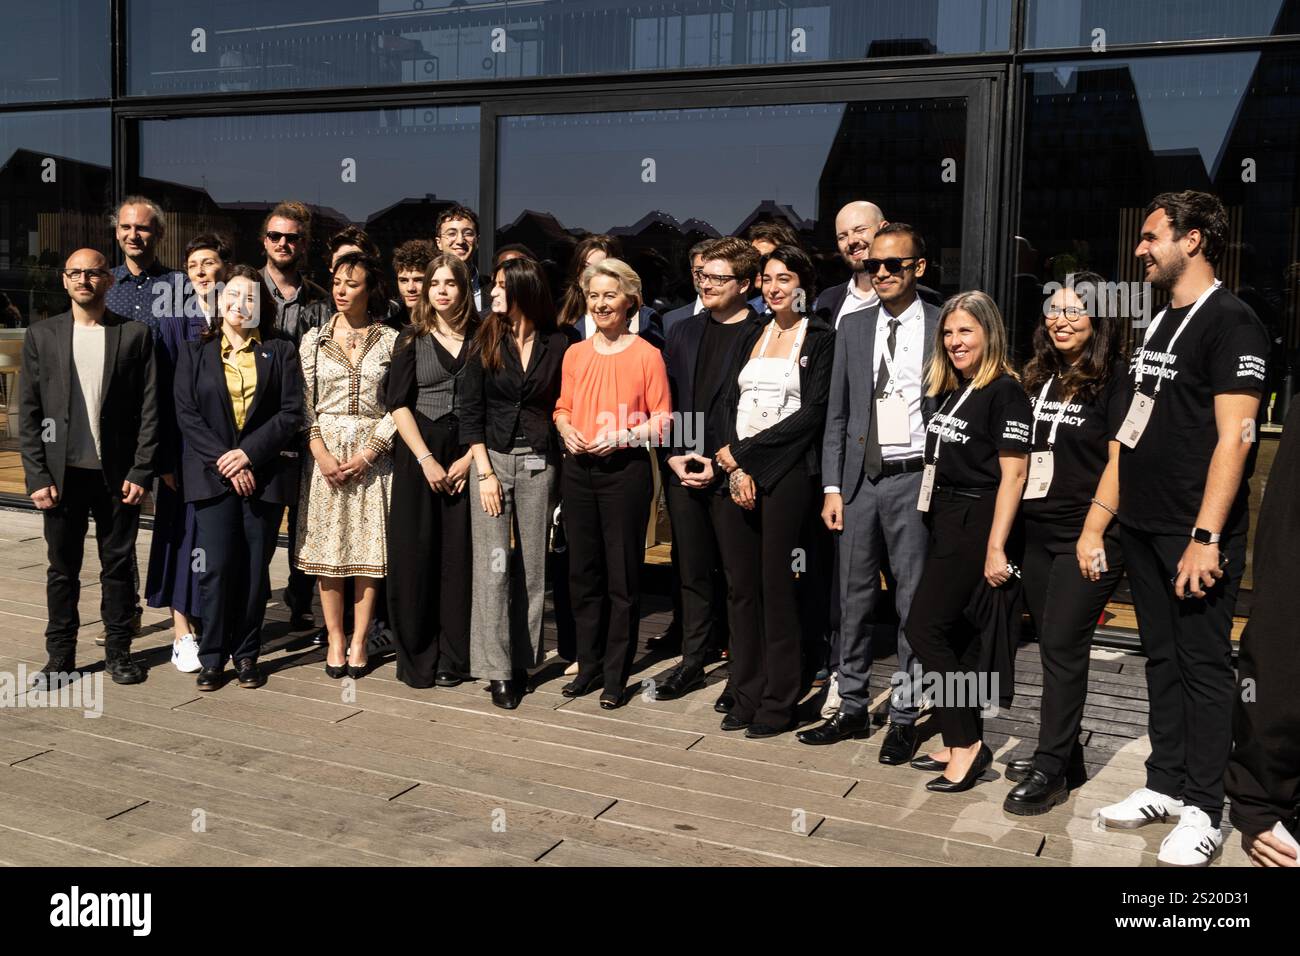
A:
(927, 488)
(893, 422)
(1040, 475)
(534, 462)
(1135, 422)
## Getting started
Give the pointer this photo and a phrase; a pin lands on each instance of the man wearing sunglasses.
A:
(872, 459)
(88, 429)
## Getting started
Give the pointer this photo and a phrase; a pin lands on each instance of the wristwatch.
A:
(1201, 536)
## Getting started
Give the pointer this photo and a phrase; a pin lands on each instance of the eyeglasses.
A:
(1073, 313)
(290, 237)
(705, 279)
(94, 275)
(469, 235)
(893, 265)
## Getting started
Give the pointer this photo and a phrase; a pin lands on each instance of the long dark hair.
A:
(574, 305)
(376, 284)
(1101, 356)
(526, 290)
(265, 303)
(422, 318)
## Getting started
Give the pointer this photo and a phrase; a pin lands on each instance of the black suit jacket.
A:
(270, 436)
(494, 402)
(128, 413)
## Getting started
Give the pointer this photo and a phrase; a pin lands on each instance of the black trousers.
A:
(85, 494)
(1190, 681)
(1065, 607)
(943, 639)
(702, 584)
(429, 569)
(237, 538)
(763, 554)
(607, 505)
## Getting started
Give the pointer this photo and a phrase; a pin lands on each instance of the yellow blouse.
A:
(241, 374)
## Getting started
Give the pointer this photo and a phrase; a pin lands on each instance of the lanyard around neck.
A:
(1056, 422)
(948, 415)
(1151, 330)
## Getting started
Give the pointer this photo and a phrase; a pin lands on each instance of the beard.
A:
(1164, 276)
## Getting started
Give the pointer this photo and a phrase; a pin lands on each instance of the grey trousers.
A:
(509, 583)
(880, 523)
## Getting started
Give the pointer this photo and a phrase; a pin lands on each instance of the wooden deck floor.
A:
(300, 772)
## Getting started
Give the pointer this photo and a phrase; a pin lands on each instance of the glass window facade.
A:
(54, 50)
(1098, 23)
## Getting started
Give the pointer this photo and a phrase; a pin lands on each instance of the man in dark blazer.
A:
(89, 435)
(872, 459)
(699, 353)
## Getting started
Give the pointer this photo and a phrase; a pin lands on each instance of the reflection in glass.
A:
(387, 171)
(663, 180)
(54, 50)
(301, 44)
(1090, 23)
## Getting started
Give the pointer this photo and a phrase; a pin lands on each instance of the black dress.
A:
(428, 533)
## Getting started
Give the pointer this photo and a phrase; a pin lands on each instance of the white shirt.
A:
(88, 363)
(854, 301)
(909, 361)
(763, 400)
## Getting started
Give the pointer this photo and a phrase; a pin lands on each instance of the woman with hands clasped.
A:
(239, 407)
(613, 401)
(429, 554)
(343, 526)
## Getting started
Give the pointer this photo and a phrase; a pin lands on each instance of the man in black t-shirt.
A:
(1189, 440)
(699, 354)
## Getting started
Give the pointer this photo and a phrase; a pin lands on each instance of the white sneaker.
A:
(1139, 808)
(1194, 842)
(831, 705)
(185, 654)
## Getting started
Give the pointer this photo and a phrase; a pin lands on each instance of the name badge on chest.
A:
(927, 488)
(1135, 422)
(893, 422)
(1040, 475)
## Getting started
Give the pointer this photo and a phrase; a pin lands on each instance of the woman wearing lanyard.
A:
(428, 600)
(1072, 555)
(776, 402)
(240, 409)
(976, 446)
(510, 386)
(613, 399)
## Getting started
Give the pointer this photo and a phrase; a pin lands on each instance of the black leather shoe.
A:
(54, 674)
(1036, 793)
(448, 679)
(209, 678)
(726, 700)
(732, 722)
(581, 688)
(929, 764)
(122, 669)
(758, 731)
(1019, 768)
(249, 674)
(1076, 775)
(611, 700)
(983, 760)
(668, 643)
(841, 726)
(336, 673)
(522, 683)
(679, 680)
(503, 695)
(899, 745)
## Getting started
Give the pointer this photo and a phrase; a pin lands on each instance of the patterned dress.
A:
(343, 531)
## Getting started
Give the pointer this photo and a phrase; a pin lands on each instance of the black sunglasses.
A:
(290, 237)
(893, 265)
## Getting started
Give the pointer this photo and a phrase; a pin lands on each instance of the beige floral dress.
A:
(343, 531)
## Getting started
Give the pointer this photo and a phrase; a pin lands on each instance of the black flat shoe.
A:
(610, 700)
(899, 746)
(759, 731)
(448, 679)
(726, 700)
(732, 722)
(209, 679)
(249, 674)
(841, 726)
(581, 688)
(503, 694)
(983, 760)
(1036, 793)
(1018, 769)
(679, 681)
(1076, 775)
(929, 764)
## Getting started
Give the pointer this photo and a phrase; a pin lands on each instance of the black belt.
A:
(901, 466)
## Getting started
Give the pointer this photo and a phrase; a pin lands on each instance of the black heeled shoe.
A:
(581, 688)
(983, 760)
(336, 672)
(929, 764)
(610, 700)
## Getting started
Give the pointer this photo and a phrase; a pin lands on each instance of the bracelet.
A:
(1105, 507)
(487, 475)
(420, 460)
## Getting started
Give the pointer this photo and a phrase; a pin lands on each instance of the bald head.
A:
(86, 259)
(87, 279)
(855, 227)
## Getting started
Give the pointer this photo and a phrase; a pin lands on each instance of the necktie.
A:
(872, 461)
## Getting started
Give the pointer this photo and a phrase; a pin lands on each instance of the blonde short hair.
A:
(629, 283)
(942, 375)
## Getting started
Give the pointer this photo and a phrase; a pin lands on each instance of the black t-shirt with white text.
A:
(1224, 348)
(994, 418)
(1081, 452)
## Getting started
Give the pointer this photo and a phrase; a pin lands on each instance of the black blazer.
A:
(128, 414)
(681, 354)
(270, 436)
(771, 453)
(494, 403)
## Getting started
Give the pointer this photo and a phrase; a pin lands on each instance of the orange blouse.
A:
(612, 393)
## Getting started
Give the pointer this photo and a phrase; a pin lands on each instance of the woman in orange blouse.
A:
(613, 400)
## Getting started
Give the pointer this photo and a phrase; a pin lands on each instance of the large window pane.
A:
(186, 46)
(54, 50)
(388, 171)
(1094, 23)
(662, 180)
